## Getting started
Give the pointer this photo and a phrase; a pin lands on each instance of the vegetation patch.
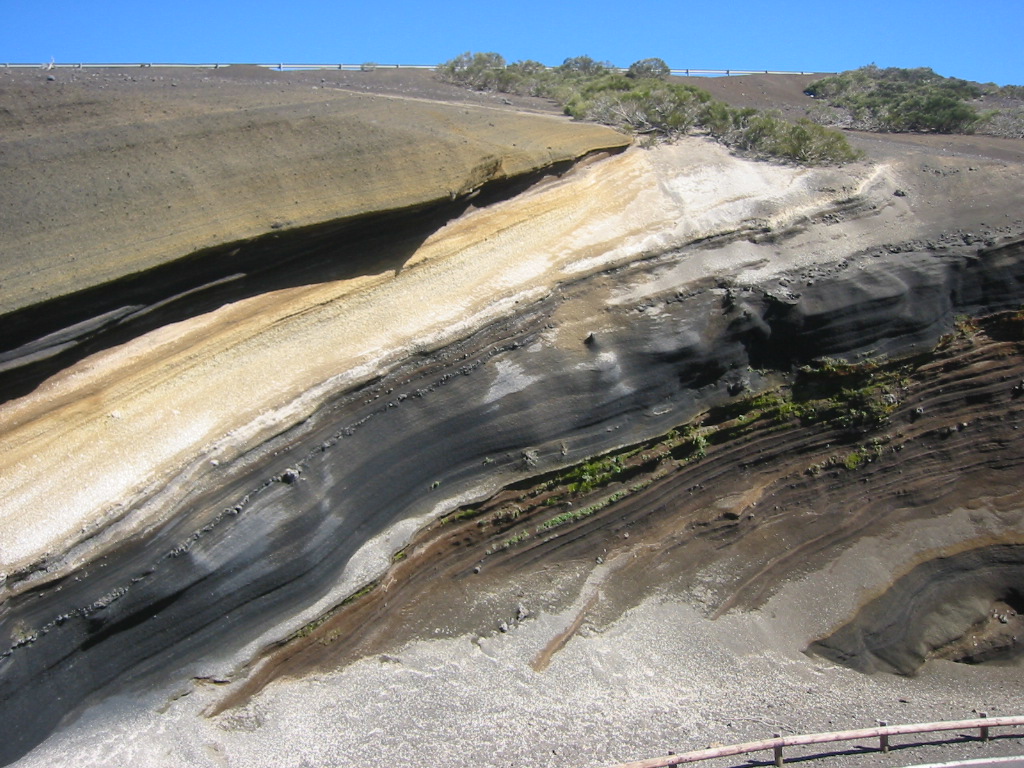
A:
(308, 629)
(466, 513)
(509, 542)
(854, 398)
(643, 100)
(855, 459)
(852, 401)
(895, 100)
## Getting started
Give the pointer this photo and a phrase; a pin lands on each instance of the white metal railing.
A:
(728, 72)
(215, 65)
(282, 66)
(883, 732)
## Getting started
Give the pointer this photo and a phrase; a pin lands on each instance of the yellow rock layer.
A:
(98, 184)
(168, 411)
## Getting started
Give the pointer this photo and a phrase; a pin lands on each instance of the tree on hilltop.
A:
(652, 68)
(476, 70)
(585, 65)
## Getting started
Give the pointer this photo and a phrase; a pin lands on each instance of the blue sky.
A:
(977, 40)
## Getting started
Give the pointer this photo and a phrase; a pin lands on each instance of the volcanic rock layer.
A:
(220, 432)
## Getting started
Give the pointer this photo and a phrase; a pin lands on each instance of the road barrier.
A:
(730, 72)
(213, 66)
(372, 66)
(883, 732)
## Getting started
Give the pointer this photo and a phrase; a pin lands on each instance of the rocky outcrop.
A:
(931, 608)
(225, 471)
(773, 484)
(128, 204)
(106, 177)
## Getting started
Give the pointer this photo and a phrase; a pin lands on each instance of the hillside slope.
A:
(292, 464)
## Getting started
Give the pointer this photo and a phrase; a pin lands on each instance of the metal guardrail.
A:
(371, 66)
(882, 732)
(729, 72)
(213, 66)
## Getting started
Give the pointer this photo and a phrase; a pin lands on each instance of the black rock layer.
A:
(280, 526)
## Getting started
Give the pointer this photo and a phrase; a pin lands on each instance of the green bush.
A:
(1007, 91)
(933, 111)
(650, 68)
(901, 100)
(584, 65)
(480, 71)
(646, 107)
(642, 101)
(759, 132)
(812, 144)
(529, 67)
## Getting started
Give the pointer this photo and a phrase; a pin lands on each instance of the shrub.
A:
(640, 101)
(475, 70)
(584, 65)
(650, 68)
(1003, 122)
(527, 67)
(901, 100)
(809, 143)
(1007, 91)
(645, 107)
(759, 132)
(768, 134)
(725, 123)
(933, 111)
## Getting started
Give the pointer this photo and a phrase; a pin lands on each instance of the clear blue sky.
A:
(977, 40)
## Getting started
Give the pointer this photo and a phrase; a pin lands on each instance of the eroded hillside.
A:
(482, 368)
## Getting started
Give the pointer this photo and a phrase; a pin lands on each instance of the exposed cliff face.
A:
(104, 178)
(757, 491)
(129, 203)
(937, 604)
(196, 491)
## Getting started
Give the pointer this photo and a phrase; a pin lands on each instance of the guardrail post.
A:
(984, 728)
(883, 738)
(778, 750)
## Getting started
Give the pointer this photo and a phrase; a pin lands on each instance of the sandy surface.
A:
(107, 172)
(662, 678)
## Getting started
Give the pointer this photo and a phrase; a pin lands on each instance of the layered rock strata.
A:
(194, 492)
(128, 203)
